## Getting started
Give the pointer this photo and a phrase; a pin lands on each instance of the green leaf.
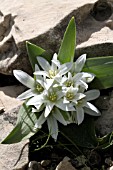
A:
(102, 67)
(24, 127)
(81, 135)
(33, 52)
(67, 49)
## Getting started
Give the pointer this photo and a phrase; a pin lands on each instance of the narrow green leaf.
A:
(102, 67)
(33, 52)
(67, 49)
(24, 127)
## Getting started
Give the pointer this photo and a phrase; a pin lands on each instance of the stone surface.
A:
(8, 96)
(44, 22)
(65, 165)
(45, 163)
(33, 165)
(104, 123)
(111, 168)
(9, 154)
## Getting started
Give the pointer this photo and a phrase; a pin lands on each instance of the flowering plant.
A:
(59, 87)
(58, 91)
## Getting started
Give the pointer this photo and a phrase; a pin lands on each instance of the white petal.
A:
(27, 94)
(92, 94)
(48, 83)
(92, 110)
(63, 106)
(88, 76)
(79, 96)
(55, 61)
(83, 84)
(24, 78)
(43, 63)
(65, 100)
(36, 100)
(77, 77)
(36, 68)
(80, 114)
(64, 68)
(80, 63)
(57, 114)
(41, 73)
(40, 121)
(53, 127)
(48, 109)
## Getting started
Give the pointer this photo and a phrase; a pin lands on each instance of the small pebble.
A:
(34, 165)
(108, 161)
(45, 163)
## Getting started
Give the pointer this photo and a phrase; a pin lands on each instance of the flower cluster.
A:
(59, 92)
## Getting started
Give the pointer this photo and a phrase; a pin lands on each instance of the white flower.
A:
(75, 81)
(77, 68)
(58, 88)
(84, 106)
(79, 64)
(50, 98)
(35, 85)
(52, 119)
(71, 95)
(55, 70)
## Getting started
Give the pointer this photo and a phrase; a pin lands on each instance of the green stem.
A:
(44, 145)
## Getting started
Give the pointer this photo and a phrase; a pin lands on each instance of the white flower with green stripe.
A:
(56, 89)
(55, 70)
(84, 106)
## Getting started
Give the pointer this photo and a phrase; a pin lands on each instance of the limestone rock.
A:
(33, 165)
(111, 168)
(65, 165)
(8, 96)
(44, 22)
(104, 123)
(9, 154)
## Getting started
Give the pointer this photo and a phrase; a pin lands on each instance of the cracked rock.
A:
(9, 154)
(44, 22)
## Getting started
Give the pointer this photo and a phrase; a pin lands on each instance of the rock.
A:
(86, 168)
(65, 165)
(44, 22)
(8, 96)
(111, 168)
(33, 165)
(45, 163)
(104, 123)
(79, 161)
(9, 154)
(109, 161)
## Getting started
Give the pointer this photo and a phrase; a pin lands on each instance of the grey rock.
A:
(65, 165)
(9, 154)
(111, 168)
(45, 163)
(44, 22)
(8, 96)
(104, 123)
(33, 165)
